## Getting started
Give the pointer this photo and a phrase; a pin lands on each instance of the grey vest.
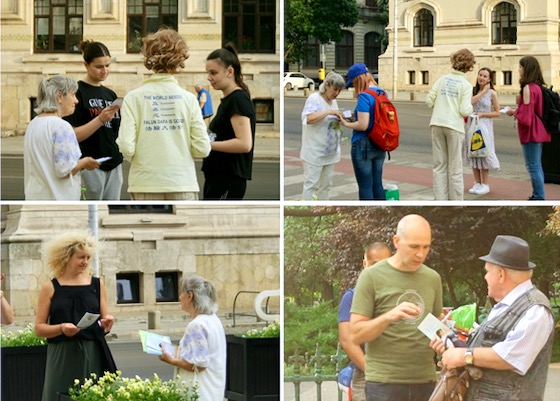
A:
(506, 385)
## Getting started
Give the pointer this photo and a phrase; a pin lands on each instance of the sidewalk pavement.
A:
(267, 146)
(413, 179)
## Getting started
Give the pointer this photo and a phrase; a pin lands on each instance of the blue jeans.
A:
(368, 168)
(401, 392)
(532, 152)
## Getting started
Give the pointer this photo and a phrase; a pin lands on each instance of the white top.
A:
(204, 345)
(522, 344)
(50, 152)
(320, 141)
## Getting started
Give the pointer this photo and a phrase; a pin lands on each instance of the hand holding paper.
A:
(87, 320)
(152, 343)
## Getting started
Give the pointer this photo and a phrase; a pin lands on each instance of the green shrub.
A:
(23, 338)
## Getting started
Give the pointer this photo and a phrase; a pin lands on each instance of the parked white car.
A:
(297, 80)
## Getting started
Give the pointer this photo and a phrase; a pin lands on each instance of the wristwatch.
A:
(469, 357)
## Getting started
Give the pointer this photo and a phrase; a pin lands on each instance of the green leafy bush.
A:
(22, 338)
(270, 331)
(114, 387)
(305, 327)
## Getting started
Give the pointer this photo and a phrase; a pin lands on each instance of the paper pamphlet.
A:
(117, 102)
(505, 109)
(103, 159)
(152, 343)
(432, 327)
(87, 320)
(347, 113)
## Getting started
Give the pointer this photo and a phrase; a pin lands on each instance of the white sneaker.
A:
(483, 189)
(474, 188)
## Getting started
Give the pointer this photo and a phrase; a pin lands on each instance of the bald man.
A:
(373, 253)
(390, 301)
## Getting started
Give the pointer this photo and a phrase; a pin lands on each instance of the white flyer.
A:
(432, 327)
(87, 320)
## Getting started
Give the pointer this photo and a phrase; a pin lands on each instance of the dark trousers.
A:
(398, 392)
(224, 187)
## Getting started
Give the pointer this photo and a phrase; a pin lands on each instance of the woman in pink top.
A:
(530, 128)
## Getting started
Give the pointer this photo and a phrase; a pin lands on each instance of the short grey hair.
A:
(334, 80)
(204, 294)
(48, 89)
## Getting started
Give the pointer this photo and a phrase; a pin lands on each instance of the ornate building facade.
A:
(498, 32)
(39, 39)
(146, 251)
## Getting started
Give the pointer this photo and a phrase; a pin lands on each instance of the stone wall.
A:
(237, 248)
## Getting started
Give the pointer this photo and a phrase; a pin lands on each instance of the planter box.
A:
(23, 372)
(253, 369)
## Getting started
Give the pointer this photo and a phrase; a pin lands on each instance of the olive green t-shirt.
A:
(401, 354)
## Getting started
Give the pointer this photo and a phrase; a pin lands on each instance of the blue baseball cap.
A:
(355, 71)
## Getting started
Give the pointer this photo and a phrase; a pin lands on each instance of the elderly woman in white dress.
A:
(201, 356)
(320, 140)
(51, 154)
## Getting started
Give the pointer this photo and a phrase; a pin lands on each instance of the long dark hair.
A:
(477, 87)
(532, 73)
(92, 50)
(227, 56)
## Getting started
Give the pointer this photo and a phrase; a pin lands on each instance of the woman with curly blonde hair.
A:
(73, 352)
(162, 129)
(450, 97)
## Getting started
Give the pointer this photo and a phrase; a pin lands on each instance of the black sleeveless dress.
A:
(76, 357)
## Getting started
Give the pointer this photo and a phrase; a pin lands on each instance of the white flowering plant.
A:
(114, 387)
(270, 331)
(21, 338)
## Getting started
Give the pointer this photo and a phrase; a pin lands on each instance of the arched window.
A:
(423, 28)
(504, 24)
(312, 53)
(344, 51)
(372, 50)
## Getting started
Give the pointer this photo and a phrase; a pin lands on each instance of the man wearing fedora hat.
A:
(513, 346)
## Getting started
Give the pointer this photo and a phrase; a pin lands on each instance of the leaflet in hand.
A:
(432, 327)
(153, 342)
(87, 320)
(505, 109)
(103, 159)
(117, 102)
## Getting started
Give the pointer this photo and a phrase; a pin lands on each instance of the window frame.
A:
(133, 45)
(312, 46)
(239, 10)
(176, 278)
(372, 50)
(135, 209)
(504, 10)
(135, 279)
(69, 47)
(423, 28)
(259, 104)
(347, 48)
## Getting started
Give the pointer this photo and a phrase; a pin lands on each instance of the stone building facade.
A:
(28, 55)
(498, 32)
(146, 250)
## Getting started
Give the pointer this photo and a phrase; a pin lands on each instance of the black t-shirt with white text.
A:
(92, 100)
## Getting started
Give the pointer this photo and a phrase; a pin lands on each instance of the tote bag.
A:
(477, 139)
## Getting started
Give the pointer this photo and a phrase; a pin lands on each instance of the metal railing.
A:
(315, 364)
(247, 313)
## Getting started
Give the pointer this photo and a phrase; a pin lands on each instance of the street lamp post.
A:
(395, 48)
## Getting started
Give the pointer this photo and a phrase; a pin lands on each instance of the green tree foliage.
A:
(310, 19)
(460, 235)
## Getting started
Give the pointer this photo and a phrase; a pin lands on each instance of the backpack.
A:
(551, 110)
(385, 130)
